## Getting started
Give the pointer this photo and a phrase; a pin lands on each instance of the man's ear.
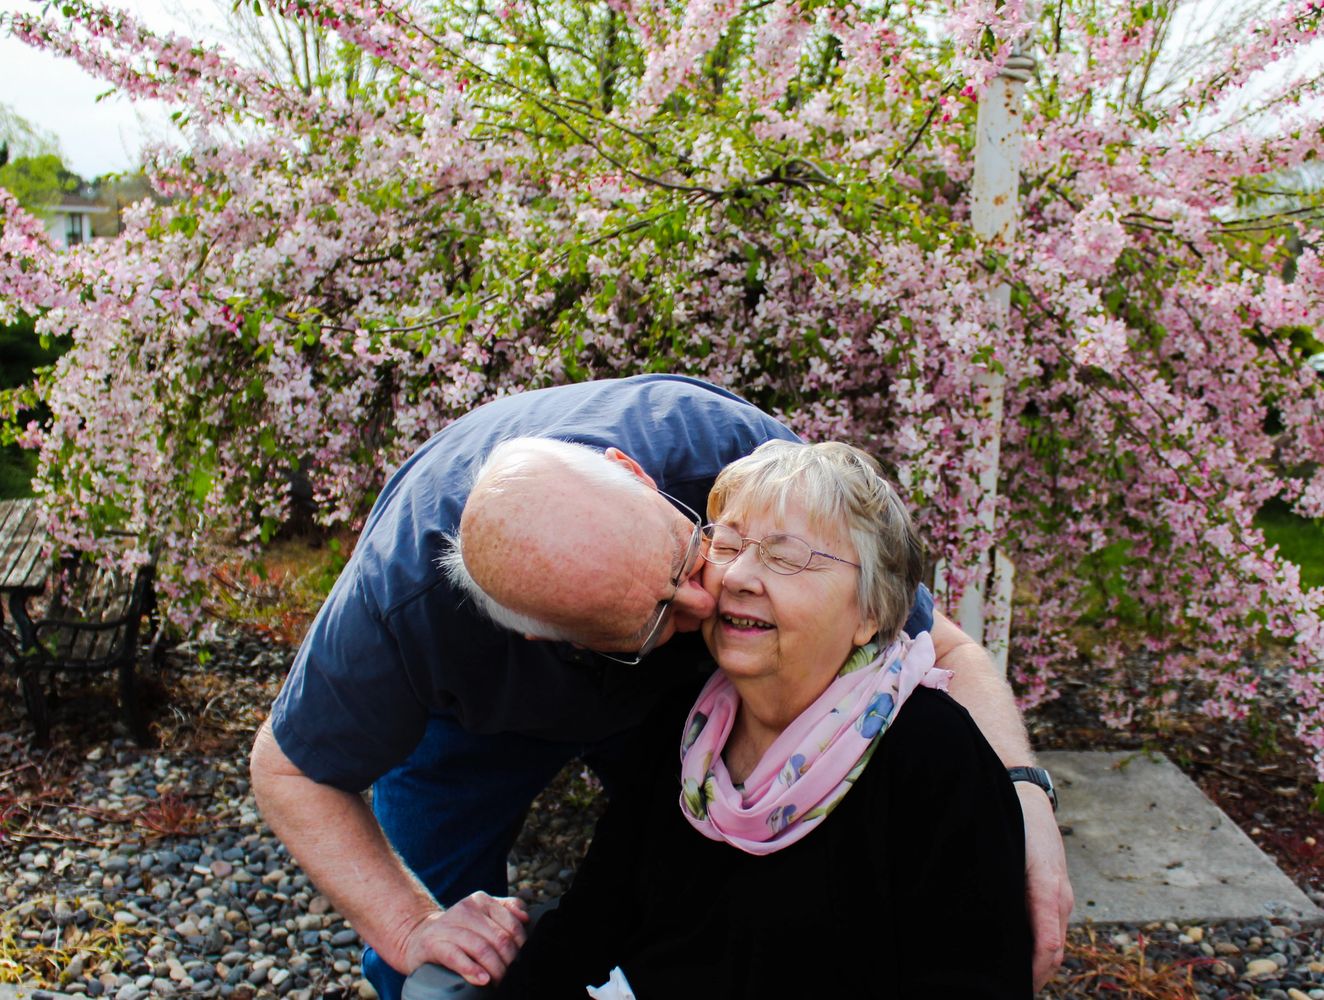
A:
(621, 458)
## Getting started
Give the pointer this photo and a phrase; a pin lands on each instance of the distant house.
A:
(69, 221)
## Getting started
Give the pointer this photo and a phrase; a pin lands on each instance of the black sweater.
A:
(912, 887)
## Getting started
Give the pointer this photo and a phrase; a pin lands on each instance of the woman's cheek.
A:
(712, 579)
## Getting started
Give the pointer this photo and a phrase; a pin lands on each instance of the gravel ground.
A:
(131, 873)
(134, 873)
(191, 894)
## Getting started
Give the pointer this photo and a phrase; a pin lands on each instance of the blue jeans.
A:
(452, 811)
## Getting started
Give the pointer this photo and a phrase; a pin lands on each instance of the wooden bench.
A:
(91, 622)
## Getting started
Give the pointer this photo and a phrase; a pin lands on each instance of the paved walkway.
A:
(1144, 844)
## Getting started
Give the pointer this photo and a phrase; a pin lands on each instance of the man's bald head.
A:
(567, 542)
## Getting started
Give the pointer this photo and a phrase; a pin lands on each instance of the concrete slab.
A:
(1145, 844)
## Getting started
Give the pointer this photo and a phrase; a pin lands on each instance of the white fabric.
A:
(615, 988)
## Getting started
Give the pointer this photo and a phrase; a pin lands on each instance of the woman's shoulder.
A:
(935, 784)
(928, 713)
(934, 738)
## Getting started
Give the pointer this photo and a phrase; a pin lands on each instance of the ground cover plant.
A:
(469, 200)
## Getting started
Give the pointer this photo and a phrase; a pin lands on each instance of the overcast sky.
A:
(96, 137)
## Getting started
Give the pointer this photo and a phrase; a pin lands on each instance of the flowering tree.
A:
(769, 194)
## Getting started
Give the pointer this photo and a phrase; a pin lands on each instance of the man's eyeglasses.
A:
(780, 552)
(662, 613)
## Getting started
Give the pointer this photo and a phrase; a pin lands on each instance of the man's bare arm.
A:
(337, 840)
(982, 691)
(987, 696)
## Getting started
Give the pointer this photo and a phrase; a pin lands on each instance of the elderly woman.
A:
(834, 824)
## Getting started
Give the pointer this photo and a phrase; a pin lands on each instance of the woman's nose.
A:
(744, 571)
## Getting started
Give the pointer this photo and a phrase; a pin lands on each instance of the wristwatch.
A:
(1035, 776)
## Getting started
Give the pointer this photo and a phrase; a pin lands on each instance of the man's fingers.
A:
(1048, 894)
(457, 959)
(1066, 901)
(1048, 923)
(509, 920)
(495, 921)
(478, 959)
(482, 936)
(1049, 951)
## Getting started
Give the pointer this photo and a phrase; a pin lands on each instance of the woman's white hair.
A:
(839, 486)
(588, 464)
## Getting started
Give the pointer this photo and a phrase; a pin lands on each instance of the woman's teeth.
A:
(744, 622)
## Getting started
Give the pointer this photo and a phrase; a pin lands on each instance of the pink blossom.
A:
(331, 277)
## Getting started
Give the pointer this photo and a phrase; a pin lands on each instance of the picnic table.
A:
(90, 621)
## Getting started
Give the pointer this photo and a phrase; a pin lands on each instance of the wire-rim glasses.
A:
(662, 614)
(780, 551)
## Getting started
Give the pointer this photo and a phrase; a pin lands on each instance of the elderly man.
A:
(406, 683)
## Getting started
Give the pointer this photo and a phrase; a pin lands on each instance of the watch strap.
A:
(1035, 776)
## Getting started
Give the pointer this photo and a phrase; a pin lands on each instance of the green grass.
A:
(17, 468)
(1299, 539)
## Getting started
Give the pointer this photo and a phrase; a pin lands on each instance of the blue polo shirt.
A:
(395, 643)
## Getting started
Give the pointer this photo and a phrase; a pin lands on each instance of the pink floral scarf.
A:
(811, 766)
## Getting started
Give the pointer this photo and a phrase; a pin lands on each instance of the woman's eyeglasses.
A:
(780, 552)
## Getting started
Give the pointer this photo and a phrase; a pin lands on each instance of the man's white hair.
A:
(589, 464)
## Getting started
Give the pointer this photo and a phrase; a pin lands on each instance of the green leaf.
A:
(267, 441)
(185, 224)
(200, 482)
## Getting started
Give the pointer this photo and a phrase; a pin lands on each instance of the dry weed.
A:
(36, 949)
(1098, 968)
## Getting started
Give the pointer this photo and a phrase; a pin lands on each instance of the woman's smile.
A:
(742, 623)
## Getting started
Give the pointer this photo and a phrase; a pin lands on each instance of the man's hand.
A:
(1048, 894)
(353, 865)
(478, 937)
